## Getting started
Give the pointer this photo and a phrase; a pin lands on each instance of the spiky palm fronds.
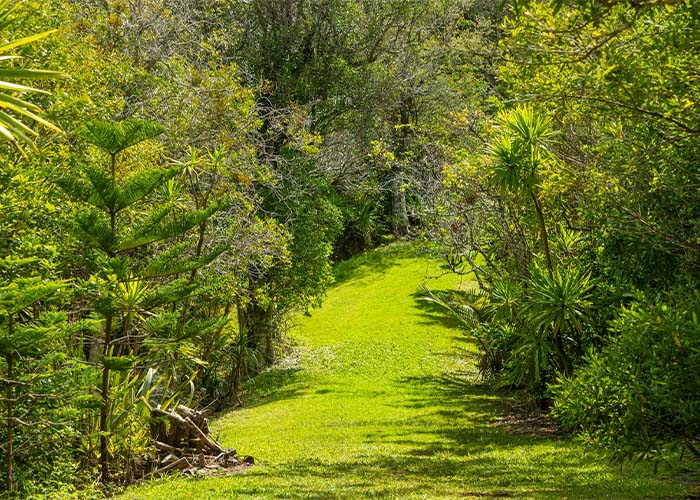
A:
(468, 307)
(521, 148)
(14, 111)
(528, 126)
(560, 300)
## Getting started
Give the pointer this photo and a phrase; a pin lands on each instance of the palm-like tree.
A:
(519, 153)
(16, 112)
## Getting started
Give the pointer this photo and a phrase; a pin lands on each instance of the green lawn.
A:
(380, 400)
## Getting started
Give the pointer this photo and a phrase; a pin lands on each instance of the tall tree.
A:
(118, 229)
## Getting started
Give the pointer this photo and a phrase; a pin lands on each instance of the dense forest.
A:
(179, 177)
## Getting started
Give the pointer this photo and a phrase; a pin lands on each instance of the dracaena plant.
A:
(519, 152)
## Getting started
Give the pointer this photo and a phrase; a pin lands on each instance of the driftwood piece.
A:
(179, 464)
(180, 437)
(212, 445)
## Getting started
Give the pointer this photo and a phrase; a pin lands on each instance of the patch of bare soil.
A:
(527, 419)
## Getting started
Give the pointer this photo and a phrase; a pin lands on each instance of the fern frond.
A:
(11, 262)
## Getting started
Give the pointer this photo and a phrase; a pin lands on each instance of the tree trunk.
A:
(564, 360)
(399, 212)
(104, 408)
(558, 344)
(258, 324)
(9, 484)
(543, 231)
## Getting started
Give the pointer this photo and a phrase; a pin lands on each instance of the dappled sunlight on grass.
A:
(382, 401)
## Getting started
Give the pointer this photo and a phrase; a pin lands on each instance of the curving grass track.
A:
(380, 401)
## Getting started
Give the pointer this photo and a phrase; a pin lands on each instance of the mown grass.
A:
(380, 400)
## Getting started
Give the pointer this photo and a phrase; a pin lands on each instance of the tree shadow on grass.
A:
(372, 262)
(449, 448)
(275, 384)
(453, 389)
(552, 474)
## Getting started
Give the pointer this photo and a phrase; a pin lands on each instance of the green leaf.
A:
(30, 74)
(24, 41)
(11, 128)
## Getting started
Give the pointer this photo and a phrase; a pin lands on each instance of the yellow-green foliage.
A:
(379, 402)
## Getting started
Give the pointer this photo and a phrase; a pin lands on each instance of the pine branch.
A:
(166, 265)
(21, 294)
(93, 228)
(141, 184)
(149, 234)
(114, 137)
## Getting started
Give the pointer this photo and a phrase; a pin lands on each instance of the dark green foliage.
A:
(638, 397)
(586, 227)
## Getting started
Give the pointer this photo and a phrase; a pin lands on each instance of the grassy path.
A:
(380, 402)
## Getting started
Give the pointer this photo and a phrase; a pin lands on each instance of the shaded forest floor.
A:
(380, 400)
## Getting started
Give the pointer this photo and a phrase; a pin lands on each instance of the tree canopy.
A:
(178, 179)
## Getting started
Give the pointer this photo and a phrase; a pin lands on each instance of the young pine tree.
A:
(137, 253)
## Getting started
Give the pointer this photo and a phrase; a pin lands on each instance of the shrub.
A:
(640, 396)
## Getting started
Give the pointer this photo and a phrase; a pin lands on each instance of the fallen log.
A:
(212, 445)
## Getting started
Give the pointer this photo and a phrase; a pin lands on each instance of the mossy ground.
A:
(380, 400)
